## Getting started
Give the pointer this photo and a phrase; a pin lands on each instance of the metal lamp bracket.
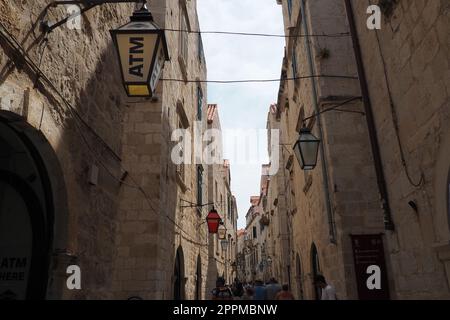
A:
(46, 27)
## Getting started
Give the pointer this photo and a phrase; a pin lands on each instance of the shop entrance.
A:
(26, 216)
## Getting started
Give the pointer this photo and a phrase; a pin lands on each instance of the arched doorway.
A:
(178, 283)
(299, 277)
(315, 264)
(198, 281)
(26, 215)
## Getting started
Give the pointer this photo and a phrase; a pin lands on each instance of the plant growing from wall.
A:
(324, 53)
(387, 7)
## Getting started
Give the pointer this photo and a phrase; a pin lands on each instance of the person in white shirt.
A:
(328, 291)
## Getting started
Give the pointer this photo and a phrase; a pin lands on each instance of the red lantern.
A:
(213, 219)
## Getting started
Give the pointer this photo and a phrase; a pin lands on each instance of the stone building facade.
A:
(255, 251)
(325, 206)
(384, 176)
(240, 254)
(407, 64)
(221, 198)
(95, 164)
(279, 229)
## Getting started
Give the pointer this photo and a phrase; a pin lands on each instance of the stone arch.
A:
(30, 166)
(179, 276)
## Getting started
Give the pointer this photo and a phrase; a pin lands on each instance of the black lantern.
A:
(142, 49)
(306, 149)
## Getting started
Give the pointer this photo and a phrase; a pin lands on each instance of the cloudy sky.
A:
(243, 106)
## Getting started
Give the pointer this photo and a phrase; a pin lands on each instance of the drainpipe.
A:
(332, 233)
(388, 223)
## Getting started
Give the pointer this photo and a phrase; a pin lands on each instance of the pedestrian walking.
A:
(260, 291)
(248, 294)
(272, 289)
(284, 294)
(221, 291)
(328, 291)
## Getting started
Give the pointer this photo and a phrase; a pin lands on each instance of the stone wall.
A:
(168, 227)
(353, 203)
(408, 59)
(124, 231)
(82, 67)
(219, 194)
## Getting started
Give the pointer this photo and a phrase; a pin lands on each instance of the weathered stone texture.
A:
(123, 234)
(414, 43)
(409, 60)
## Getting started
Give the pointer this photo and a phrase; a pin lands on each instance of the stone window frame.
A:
(199, 175)
(200, 48)
(183, 52)
(183, 123)
(200, 100)
(289, 8)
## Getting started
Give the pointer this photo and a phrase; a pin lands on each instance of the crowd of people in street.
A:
(257, 290)
(271, 290)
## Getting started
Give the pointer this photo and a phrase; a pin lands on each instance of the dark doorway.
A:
(198, 282)
(298, 266)
(315, 270)
(178, 283)
(26, 217)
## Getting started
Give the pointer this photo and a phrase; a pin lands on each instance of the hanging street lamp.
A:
(222, 232)
(306, 149)
(213, 220)
(142, 49)
(224, 244)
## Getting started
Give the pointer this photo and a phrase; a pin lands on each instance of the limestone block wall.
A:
(82, 66)
(354, 202)
(163, 227)
(192, 236)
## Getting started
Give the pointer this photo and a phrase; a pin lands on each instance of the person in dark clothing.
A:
(221, 291)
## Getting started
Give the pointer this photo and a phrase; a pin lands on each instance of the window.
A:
(294, 64)
(199, 185)
(216, 191)
(232, 210)
(199, 103)
(289, 5)
(254, 233)
(200, 48)
(180, 167)
(182, 123)
(184, 37)
(229, 208)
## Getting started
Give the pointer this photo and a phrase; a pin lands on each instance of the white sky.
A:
(243, 106)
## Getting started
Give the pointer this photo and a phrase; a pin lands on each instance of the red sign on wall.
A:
(370, 267)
